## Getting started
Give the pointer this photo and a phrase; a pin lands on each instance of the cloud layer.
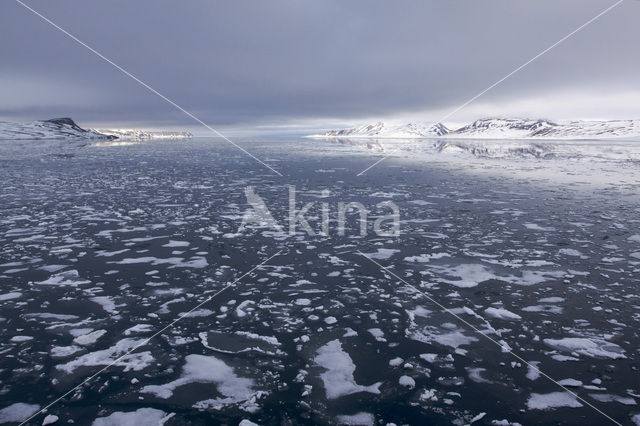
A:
(242, 64)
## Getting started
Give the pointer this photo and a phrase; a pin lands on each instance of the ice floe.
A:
(338, 378)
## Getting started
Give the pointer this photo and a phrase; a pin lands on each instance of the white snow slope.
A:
(496, 128)
(56, 128)
(138, 135)
(67, 129)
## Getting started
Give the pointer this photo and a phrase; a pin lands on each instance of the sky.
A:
(291, 66)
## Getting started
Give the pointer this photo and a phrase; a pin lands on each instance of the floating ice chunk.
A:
(269, 339)
(469, 275)
(570, 383)
(606, 397)
(634, 238)
(302, 302)
(595, 348)
(245, 422)
(407, 382)
(49, 419)
(90, 338)
(572, 253)
(430, 358)
(207, 369)
(395, 362)
(338, 378)
(241, 309)
(475, 374)
(377, 334)
(330, 320)
(134, 361)
(501, 313)
(175, 262)
(477, 417)
(139, 328)
(551, 300)
(66, 278)
(19, 339)
(64, 351)
(9, 296)
(103, 253)
(349, 332)
(452, 339)
(551, 400)
(424, 258)
(420, 202)
(17, 412)
(50, 316)
(173, 243)
(359, 419)
(382, 253)
(106, 302)
(141, 417)
(536, 227)
(533, 372)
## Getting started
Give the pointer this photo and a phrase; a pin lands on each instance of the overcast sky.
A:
(302, 64)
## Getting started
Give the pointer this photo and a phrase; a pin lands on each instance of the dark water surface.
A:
(103, 245)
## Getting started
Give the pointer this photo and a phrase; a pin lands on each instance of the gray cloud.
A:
(242, 63)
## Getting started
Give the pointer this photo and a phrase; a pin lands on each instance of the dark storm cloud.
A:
(242, 62)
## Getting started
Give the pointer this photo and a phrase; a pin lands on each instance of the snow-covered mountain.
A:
(382, 130)
(67, 129)
(497, 128)
(56, 128)
(138, 135)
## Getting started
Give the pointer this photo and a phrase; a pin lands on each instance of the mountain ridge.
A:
(52, 129)
(495, 128)
(66, 129)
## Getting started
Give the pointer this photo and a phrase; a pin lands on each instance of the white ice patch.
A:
(547, 401)
(359, 419)
(330, 320)
(424, 258)
(378, 334)
(533, 372)
(595, 348)
(501, 313)
(469, 275)
(106, 302)
(175, 262)
(572, 253)
(64, 351)
(536, 227)
(407, 382)
(90, 338)
(10, 296)
(66, 278)
(133, 361)
(141, 417)
(208, 369)
(17, 412)
(382, 253)
(338, 378)
(173, 243)
(606, 397)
